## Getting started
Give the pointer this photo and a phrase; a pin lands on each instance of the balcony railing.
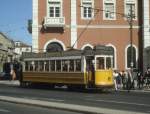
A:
(54, 22)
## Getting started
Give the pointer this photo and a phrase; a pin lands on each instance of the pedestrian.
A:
(139, 79)
(12, 72)
(115, 75)
(129, 80)
(123, 78)
(147, 77)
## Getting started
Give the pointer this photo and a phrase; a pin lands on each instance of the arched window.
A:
(129, 56)
(54, 47)
(113, 55)
(87, 48)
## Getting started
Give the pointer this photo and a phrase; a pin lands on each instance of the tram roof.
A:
(98, 50)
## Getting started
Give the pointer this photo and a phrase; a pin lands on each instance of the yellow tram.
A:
(74, 68)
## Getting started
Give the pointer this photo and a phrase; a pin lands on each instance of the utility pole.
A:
(130, 21)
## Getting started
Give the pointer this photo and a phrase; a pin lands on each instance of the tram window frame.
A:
(71, 66)
(108, 65)
(52, 65)
(78, 65)
(26, 65)
(41, 65)
(36, 65)
(46, 66)
(31, 65)
(65, 64)
(58, 65)
(100, 65)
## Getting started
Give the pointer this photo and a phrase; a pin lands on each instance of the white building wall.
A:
(146, 24)
(35, 26)
(74, 23)
(146, 32)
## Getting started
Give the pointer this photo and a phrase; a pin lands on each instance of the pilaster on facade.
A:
(35, 27)
(73, 23)
(146, 23)
(146, 32)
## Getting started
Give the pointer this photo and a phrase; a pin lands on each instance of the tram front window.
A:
(108, 62)
(100, 63)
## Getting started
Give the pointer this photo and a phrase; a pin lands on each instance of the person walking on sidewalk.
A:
(129, 80)
(140, 80)
(115, 75)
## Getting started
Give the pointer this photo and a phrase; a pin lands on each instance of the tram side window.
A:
(46, 65)
(41, 66)
(78, 65)
(26, 66)
(52, 65)
(31, 65)
(36, 65)
(108, 62)
(58, 65)
(100, 63)
(65, 65)
(71, 66)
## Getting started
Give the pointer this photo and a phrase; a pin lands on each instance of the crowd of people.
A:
(13, 69)
(130, 80)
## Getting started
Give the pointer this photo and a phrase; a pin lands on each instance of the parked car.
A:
(5, 76)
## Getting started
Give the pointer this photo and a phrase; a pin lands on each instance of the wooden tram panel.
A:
(54, 77)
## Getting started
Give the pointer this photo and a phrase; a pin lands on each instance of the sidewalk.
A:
(17, 83)
(8, 82)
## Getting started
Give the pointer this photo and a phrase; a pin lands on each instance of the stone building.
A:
(21, 47)
(6, 50)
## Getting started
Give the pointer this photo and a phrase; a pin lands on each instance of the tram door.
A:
(90, 70)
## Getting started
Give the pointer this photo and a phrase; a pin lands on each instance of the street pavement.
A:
(64, 106)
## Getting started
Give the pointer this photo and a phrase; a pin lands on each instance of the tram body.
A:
(74, 68)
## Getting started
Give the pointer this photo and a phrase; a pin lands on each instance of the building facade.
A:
(81, 24)
(21, 47)
(146, 34)
(6, 50)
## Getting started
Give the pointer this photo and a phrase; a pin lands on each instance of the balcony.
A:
(54, 22)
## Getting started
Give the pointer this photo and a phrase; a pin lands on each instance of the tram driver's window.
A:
(100, 63)
(78, 65)
(108, 62)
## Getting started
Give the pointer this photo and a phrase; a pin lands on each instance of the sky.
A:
(14, 15)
